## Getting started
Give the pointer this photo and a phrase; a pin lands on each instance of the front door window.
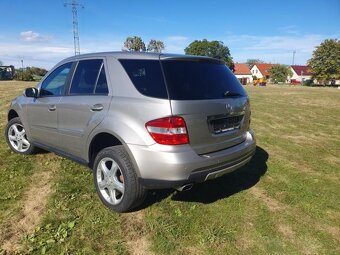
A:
(54, 84)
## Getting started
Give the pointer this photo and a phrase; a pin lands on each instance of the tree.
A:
(325, 61)
(252, 61)
(280, 73)
(155, 46)
(1, 63)
(134, 43)
(37, 71)
(214, 49)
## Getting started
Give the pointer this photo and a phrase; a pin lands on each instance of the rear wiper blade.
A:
(231, 94)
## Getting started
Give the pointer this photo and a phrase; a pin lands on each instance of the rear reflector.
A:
(169, 130)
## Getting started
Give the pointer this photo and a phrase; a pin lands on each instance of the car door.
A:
(42, 112)
(84, 105)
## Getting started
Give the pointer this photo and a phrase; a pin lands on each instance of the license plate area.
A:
(219, 125)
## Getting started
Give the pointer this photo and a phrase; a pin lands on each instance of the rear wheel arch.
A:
(103, 140)
(99, 142)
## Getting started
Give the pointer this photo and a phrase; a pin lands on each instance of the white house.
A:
(243, 73)
(261, 70)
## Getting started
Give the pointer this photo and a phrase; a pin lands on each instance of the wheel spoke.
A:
(15, 128)
(22, 132)
(102, 184)
(26, 142)
(12, 138)
(19, 145)
(113, 169)
(113, 196)
(104, 169)
(119, 186)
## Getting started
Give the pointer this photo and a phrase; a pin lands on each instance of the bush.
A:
(24, 75)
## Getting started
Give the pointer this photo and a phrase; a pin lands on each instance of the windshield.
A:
(200, 79)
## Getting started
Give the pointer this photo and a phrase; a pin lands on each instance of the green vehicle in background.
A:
(7, 72)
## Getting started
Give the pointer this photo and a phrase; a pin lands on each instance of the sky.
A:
(39, 32)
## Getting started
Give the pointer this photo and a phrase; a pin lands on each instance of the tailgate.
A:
(214, 124)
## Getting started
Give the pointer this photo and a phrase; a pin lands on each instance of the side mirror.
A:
(31, 92)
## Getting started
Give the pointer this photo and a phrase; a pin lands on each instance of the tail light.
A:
(169, 130)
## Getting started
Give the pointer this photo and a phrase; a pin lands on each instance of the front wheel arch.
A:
(12, 114)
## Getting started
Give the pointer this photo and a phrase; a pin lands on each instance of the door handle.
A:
(52, 107)
(97, 107)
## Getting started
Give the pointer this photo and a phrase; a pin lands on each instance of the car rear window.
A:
(146, 76)
(200, 79)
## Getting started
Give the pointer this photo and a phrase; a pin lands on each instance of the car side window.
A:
(101, 86)
(89, 78)
(54, 84)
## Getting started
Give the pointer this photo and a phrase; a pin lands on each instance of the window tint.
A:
(85, 77)
(196, 80)
(101, 87)
(147, 77)
(54, 84)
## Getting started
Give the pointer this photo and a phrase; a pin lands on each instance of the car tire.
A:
(16, 137)
(116, 180)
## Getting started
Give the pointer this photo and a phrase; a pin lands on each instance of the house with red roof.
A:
(261, 70)
(243, 73)
(300, 73)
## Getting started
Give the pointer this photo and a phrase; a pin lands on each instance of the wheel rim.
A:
(110, 181)
(17, 138)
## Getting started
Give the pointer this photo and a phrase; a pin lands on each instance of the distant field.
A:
(285, 201)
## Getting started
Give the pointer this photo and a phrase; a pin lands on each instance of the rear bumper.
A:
(173, 166)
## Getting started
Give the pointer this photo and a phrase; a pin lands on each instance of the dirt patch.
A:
(334, 160)
(271, 203)
(135, 233)
(299, 165)
(286, 231)
(246, 241)
(193, 251)
(332, 230)
(35, 201)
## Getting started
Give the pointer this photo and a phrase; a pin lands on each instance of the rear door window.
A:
(200, 79)
(146, 76)
(89, 78)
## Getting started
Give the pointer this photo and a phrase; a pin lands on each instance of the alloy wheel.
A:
(110, 181)
(17, 138)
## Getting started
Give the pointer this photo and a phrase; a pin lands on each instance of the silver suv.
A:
(139, 120)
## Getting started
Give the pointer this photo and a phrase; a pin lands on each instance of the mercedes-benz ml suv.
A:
(139, 120)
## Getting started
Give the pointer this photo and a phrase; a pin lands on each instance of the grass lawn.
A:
(285, 201)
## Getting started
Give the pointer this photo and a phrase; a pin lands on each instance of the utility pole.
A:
(293, 56)
(74, 5)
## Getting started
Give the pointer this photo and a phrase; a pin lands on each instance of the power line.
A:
(74, 5)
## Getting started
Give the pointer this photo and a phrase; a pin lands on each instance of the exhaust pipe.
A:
(185, 187)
